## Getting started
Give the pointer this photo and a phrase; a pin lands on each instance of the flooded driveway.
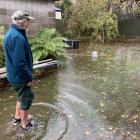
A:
(88, 99)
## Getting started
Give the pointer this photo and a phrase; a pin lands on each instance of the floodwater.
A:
(88, 99)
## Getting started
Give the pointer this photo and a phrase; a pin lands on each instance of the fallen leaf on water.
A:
(87, 133)
(60, 96)
(102, 129)
(61, 132)
(47, 112)
(110, 128)
(11, 96)
(103, 93)
(104, 117)
(85, 103)
(102, 104)
(128, 132)
(81, 114)
(135, 121)
(64, 112)
(69, 116)
(125, 116)
(102, 111)
(133, 118)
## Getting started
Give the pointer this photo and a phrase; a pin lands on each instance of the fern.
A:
(48, 43)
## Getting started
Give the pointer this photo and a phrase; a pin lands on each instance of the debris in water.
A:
(69, 116)
(87, 133)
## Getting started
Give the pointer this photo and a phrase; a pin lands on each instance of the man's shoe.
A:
(29, 125)
(15, 121)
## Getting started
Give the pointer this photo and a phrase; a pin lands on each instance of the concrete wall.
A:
(42, 10)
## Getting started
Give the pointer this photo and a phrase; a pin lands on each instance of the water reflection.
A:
(101, 98)
(114, 78)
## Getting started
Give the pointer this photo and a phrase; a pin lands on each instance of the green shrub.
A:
(1, 50)
(48, 44)
(1, 34)
(62, 25)
(91, 18)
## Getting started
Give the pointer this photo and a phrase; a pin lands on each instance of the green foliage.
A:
(1, 50)
(105, 27)
(62, 26)
(65, 5)
(92, 18)
(48, 44)
(1, 34)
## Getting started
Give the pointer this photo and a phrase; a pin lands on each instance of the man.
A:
(19, 63)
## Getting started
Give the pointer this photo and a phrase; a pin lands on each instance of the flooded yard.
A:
(88, 99)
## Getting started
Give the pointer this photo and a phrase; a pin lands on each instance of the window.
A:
(51, 14)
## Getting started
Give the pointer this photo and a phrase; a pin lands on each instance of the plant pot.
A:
(74, 44)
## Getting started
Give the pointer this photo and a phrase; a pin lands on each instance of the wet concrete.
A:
(88, 99)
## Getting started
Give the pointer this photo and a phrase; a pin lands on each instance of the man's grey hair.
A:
(19, 16)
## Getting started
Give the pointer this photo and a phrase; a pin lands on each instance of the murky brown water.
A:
(86, 100)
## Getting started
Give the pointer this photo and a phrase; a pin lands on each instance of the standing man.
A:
(19, 66)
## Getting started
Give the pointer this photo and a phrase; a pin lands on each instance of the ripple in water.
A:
(49, 122)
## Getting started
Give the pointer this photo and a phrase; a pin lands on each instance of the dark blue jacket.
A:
(18, 56)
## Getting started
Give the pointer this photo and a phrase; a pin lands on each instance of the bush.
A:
(2, 64)
(1, 34)
(92, 18)
(48, 44)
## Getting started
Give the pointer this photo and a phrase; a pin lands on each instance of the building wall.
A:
(42, 10)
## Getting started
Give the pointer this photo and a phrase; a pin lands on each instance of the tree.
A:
(91, 18)
(65, 5)
(124, 9)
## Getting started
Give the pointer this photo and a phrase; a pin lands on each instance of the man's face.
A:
(26, 23)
